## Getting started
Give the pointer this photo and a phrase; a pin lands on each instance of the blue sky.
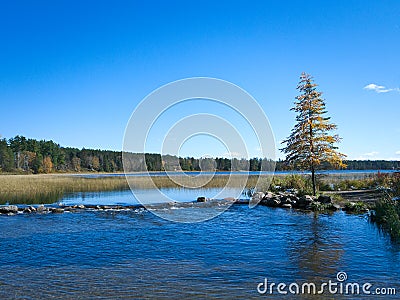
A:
(73, 71)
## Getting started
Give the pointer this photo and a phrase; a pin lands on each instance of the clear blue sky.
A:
(73, 71)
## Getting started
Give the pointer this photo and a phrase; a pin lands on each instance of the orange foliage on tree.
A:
(47, 165)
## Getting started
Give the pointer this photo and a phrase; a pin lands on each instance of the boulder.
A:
(272, 202)
(258, 196)
(57, 210)
(8, 209)
(293, 197)
(269, 195)
(304, 201)
(286, 205)
(286, 200)
(27, 210)
(41, 209)
(81, 206)
(325, 199)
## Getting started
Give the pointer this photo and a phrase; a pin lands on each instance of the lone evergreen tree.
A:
(311, 142)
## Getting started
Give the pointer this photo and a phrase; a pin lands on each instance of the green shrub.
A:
(387, 215)
(293, 181)
(358, 207)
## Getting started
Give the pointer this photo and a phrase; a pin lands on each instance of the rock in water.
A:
(27, 210)
(41, 208)
(258, 196)
(8, 209)
(304, 201)
(273, 202)
(269, 195)
(201, 199)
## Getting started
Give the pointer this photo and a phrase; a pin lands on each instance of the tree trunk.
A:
(313, 179)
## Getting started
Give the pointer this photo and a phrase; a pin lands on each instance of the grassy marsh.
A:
(35, 189)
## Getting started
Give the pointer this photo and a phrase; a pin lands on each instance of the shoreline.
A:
(323, 203)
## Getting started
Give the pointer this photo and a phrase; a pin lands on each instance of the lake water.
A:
(126, 197)
(135, 254)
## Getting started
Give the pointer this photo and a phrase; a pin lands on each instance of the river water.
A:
(135, 254)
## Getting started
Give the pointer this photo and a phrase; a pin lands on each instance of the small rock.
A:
(230, 199)
(81, 206)
(57, 210)
(201, 199)
(27, 210)
(286, 205)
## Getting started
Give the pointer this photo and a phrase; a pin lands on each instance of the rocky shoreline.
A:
(11, 210)
(291, 200)
(285, 200)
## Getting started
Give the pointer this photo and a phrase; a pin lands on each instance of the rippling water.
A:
(108, 254)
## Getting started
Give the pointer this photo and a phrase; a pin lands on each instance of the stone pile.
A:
(292, 200)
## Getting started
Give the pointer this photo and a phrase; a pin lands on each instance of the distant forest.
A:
(23, 155)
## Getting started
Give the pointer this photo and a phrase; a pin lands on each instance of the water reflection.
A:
(317, 250)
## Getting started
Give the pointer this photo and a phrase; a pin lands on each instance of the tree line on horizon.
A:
(24, 155)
